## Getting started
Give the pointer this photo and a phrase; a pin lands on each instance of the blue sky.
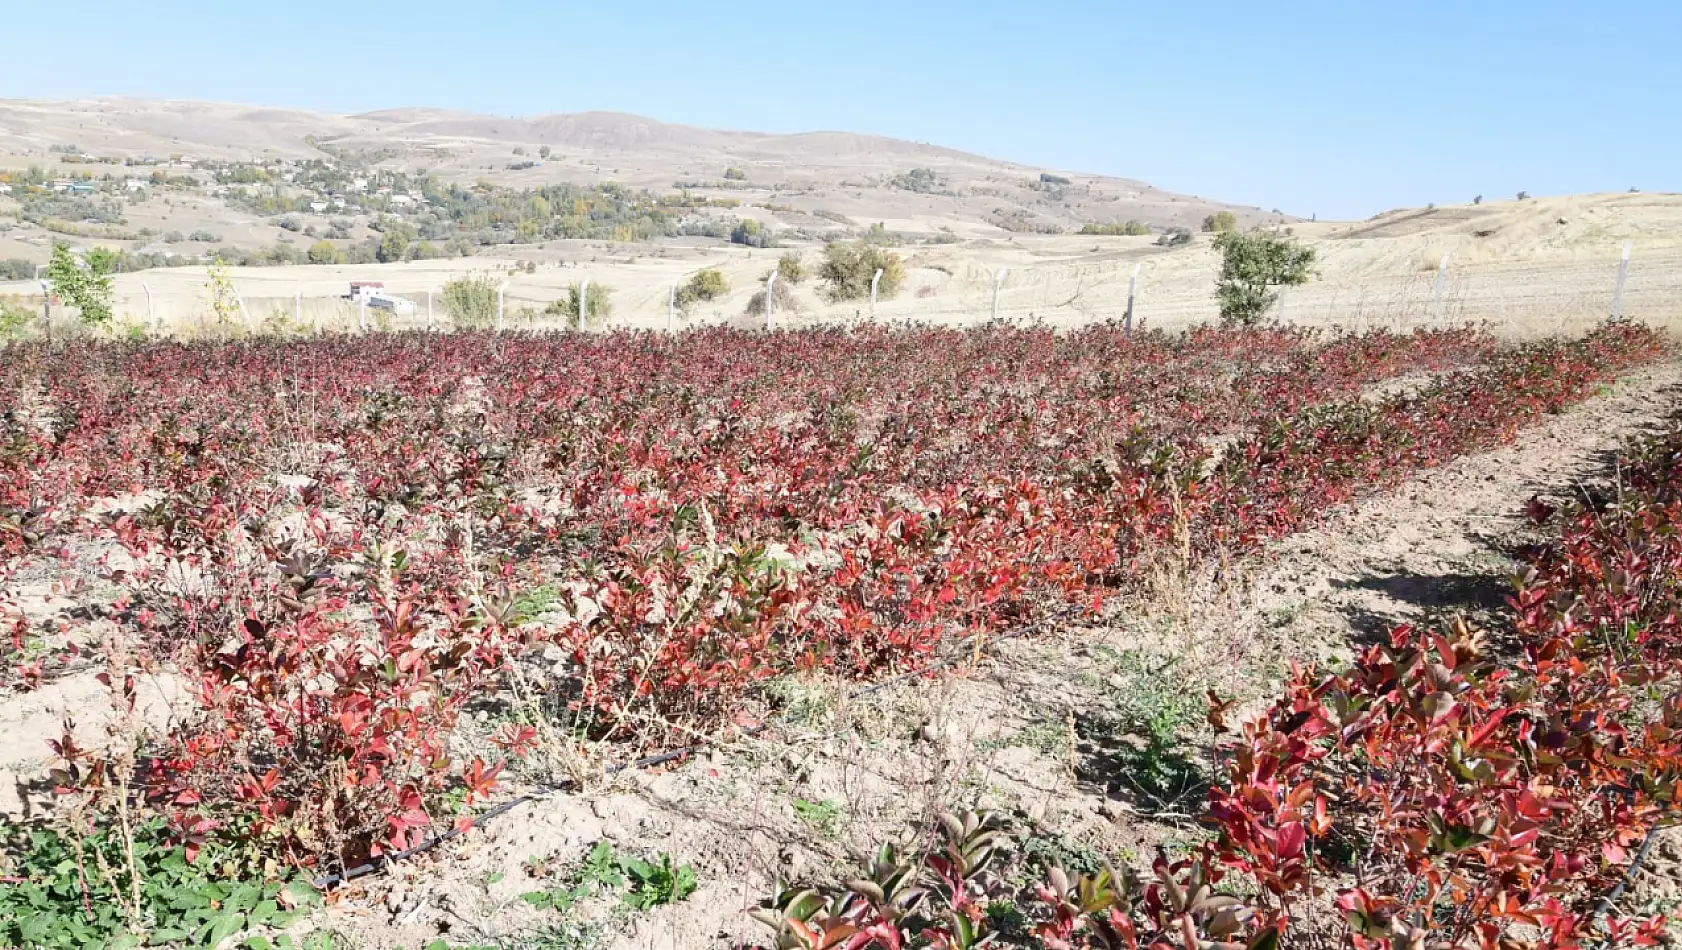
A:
(1342, 109)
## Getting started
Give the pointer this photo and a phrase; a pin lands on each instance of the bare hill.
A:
(838, 172)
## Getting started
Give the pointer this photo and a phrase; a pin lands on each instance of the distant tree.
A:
(595, 310)
(1046, 178)
(735, 174)
(1478, 200)
(1251, 266)
(751, 233)
(706, 285)
(470, 301)
(323, 252)
(394, 246)
(848, 268)
(790, 269)
(85, 285)
(543, 151)
(204, 237)
(1220, 222)
(1523, 195)
(1127, 229)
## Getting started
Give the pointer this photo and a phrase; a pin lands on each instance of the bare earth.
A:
(1530, 267)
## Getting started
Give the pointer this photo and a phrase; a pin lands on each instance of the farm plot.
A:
(337, 545)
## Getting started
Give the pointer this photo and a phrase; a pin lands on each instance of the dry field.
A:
(1190, 636)
(1530, 268)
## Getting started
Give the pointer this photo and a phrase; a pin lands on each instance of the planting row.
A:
(1451, 789)
(340, 543)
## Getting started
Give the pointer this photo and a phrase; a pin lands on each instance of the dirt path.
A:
(1051, 730)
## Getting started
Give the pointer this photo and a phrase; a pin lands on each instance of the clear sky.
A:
(1338, 108)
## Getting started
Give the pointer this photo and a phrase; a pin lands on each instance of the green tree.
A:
(848, 268)
(1221, 222)
(1252, 265)
(471, 301)
(790, 269)
(708, 284)
(323, 252)
(599, 309)
(735, 174)
(751, 233)
(85, 285)
(394, 246)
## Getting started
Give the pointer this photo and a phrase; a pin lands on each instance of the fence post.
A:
(429, 308)
(874, 281)
(584, 304)
(770, 286)
(298, 307)
(1132, 294)
(244, 313)
(671, 307)
(362, 315)
(151, 315)
(1442, 282)
(1279, 314)
(46, 304)
(998, 286)
(499, 289)
(1618, 295)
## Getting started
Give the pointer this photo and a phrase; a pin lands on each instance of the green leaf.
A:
(1266, 939)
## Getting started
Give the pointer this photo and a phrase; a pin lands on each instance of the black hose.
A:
(330, 880)
(1611, 899)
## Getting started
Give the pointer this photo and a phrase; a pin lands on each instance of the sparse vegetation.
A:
(1252, 265)
(923, 181)
(735, 174)
(583, 313)
(470, 301)
(1119, 229)
(751, 233)
(790, 269)
(849, 267)
(1220, 222)
(705, 286)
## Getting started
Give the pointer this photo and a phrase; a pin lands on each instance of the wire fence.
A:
(1156, 290)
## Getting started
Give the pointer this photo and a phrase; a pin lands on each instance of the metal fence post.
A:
(151, 314)
(362, 315)
(298, 307)
(998, 286)
(874, 281)
(1279, 314)
(1618, 294)
(1442, 282)
(1132, 295)
(770, 287)
(429, 323)
(46, 305)
(499, 289)
(671, 307)
(584, 303)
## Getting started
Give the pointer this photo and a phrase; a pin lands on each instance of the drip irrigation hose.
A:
(1607, 902)
(964, 646)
